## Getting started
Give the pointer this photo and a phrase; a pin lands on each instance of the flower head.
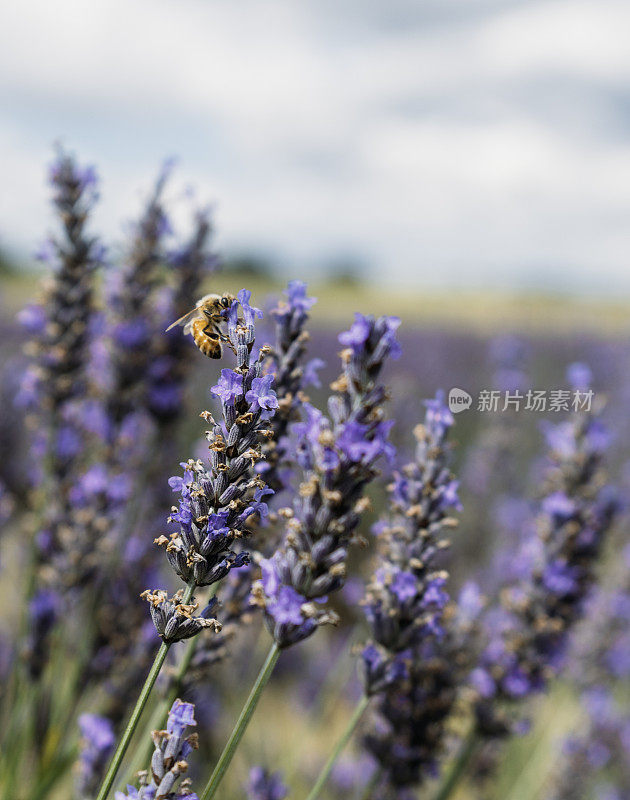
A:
(358, 334)
(261, 396)
(229, 387)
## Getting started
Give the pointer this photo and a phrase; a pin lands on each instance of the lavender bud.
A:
(169, 761)
(175, 620)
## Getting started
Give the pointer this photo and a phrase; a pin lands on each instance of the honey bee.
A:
(203, 322)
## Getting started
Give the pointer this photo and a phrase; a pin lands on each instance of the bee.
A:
(203, 322)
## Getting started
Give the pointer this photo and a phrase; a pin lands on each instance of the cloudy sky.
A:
(445, 142)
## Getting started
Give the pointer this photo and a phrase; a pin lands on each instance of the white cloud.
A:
(435, 146)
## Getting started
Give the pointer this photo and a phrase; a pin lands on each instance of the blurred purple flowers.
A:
(539, 609)
(267, 517)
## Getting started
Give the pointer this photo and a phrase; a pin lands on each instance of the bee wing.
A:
(189, 317)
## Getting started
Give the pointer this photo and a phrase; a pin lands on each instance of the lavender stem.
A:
(459, 766)
(339, 747)
(160, 713)
(241, 724)
(138, 709)
(371, 785)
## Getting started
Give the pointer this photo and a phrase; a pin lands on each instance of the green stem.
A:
(133, 721)
(327, 698)
(459, 766)
(157, 719)
(372, 784)
(241, 723)
(137, 711)
(339, 747)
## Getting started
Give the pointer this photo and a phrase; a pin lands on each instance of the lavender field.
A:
(295, 568)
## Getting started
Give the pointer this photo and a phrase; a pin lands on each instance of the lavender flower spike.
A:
(217, 502)
(292, 376)
(130, 297)
(310, 563)
(338, 457)
(406, 595)
(163, 781)
(55, 385)
(540, 609)
(191, 264)
(415, 662)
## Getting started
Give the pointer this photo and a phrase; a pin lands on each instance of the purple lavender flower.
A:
(358, 334)
(310, 376)
(250, 313)
(134, 332)
(43, 610)
(229, 387)
(338, 456)
(33, 319)
(174, 620)
(60, 325)
(54, 387)
(216, 504)
(298, 300)
(542, 607)
(559, 506)
(291, 377)
(190, 263)
(414, 662)
(261, 396)
(285, 606)
(169, 760)
(265, 785)
(97, 743)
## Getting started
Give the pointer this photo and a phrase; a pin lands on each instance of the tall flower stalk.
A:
(55, 387)
(405, 609)
(54, 392)
(292, 376)
(528, 631)
(138, 376)
(163, 363)
(215, 502)
(338, 457)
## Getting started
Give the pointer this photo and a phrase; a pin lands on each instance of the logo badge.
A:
(458, 400)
